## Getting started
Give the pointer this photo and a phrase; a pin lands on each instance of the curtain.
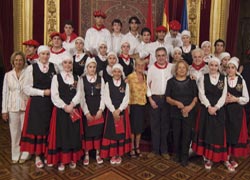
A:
(6, 34)
(204, 20)
(38, 21)
(70, 10)
(233, 21)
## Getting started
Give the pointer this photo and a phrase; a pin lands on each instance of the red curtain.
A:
(175, 10)
(232, 27)
(6, 33)
(69, 10)
(38, 21)
(205, 20)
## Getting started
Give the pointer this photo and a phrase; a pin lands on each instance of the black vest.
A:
(43, 80)
(93, 94)
(127, 69)
(213, 92)
(117, 93)
(67, 91)
(78, 67)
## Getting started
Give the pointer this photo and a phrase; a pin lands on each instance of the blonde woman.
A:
(137, 101)
(14, 104)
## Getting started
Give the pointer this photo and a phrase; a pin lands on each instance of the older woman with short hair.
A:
(181, 94)
(14, 104)
(137, 101)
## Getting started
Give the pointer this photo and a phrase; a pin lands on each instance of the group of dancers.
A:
(92, 94)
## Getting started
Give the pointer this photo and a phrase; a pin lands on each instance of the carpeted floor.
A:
(135, 169)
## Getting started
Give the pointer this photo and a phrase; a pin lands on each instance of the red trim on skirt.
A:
(58, 156)
(213, 152)
(32, 143)
(92, 144)
(208, 151)
(241, 149)
(117, 147)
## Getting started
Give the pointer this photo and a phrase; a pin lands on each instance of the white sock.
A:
(38, 159)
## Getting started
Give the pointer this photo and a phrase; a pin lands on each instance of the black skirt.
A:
(137, 117)
(39, 115)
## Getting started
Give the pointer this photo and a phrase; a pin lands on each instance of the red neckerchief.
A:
(160, 67)
(98, 28)
(59, 52)
(72, 36)
(198, 67)
(32, 57)
(125, 58)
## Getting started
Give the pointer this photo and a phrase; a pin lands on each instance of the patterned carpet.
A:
(134, 169)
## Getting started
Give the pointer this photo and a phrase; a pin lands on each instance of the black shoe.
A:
(176, 159)
(184, 163)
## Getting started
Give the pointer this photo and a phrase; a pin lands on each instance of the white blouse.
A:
(107, 99)
(245, 96)
(57, 101)
(28, 80)
(83, 101)
(214, 81)
(13, 97)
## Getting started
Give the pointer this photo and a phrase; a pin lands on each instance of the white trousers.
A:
(16, 120)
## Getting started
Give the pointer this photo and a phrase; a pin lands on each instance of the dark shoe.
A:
(184, 163)
(176, 159)
(138, 152)
(132, 153)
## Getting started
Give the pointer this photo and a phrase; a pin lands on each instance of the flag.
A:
(184, 19)
(165, 18)
(150, 23)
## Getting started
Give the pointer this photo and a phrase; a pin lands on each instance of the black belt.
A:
(159, 96)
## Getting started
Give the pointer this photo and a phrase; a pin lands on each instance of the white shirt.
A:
(151, 47)
(116, 42)
(197, 73)
(57, 101)
(108, 101)
(214, 81)
(157, 79)
(57, 59)
(142, 50)
(28, 80)
(70, 47)
(245, 96)
(83, 101)
(174, 41)
(94, 37)
(134, 41)
(13, 97)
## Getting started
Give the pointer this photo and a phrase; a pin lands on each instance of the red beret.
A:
(161, 28)
(99, 13)
(53, 34)
(175, 25)
(31, 42)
